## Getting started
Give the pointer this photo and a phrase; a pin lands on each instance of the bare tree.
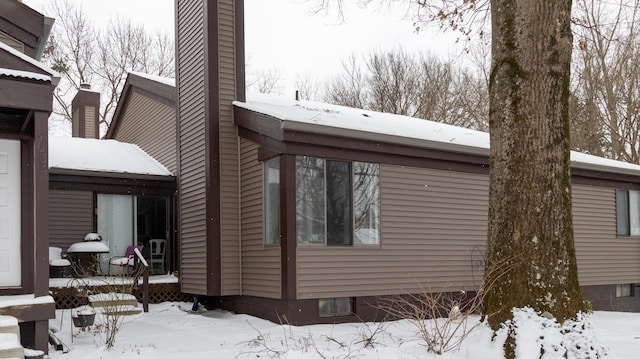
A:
(265, 81)
(307, 88)
(606, 84)
(423, 87)
(349, 88)
(101, 57)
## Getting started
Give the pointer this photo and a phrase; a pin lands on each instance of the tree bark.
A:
(530, 250)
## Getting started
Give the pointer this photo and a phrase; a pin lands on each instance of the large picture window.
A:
(337, 202)
(628, 212)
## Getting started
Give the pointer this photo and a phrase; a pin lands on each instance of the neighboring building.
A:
(311, 211)
(114, 189)
(110, 187)
(306, 212)
(26, 96)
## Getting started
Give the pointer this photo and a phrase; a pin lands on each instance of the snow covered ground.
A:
(169, 330)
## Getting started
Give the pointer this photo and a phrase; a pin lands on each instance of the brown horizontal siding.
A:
(229, 158)
(603, 258)
(433, 224)
(70, 217)
(192, 181)
(152, 126)
(260, 264)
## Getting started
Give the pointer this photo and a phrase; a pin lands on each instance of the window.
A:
(337, 202)
(628, 212)
(624, 290)
(334, 307)
(272, 201)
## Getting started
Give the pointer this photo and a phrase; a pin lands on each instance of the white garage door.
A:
(10, 237)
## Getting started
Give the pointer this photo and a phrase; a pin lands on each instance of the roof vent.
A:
(85, 86)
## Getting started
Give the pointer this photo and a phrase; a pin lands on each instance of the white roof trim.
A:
(55, 76)
(24, 75)
(165, 80)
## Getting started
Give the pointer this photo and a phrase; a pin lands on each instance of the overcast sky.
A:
(284, 35)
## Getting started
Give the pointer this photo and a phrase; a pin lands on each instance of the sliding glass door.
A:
(129, 220)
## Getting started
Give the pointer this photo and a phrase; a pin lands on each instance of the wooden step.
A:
(115, 303)
(9, 324)
(10, 346)
(112, 300)
(121, 310)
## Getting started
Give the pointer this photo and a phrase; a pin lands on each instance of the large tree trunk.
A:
(530, 251)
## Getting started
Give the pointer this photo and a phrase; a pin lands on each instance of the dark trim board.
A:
(20, 94)
(294, 312)
(112, 185)
(603, 297)
(367, 308)
(288, 243)
(212, 163)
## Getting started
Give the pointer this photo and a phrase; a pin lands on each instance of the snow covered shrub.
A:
(540, 336)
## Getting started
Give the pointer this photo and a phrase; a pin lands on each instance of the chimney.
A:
(85, 108)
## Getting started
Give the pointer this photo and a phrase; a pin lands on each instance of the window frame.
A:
(328, 307)
(626, 290)
(268, 232)
(627, 213)
(352, 240)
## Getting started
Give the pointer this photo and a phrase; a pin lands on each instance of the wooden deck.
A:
(72, 292)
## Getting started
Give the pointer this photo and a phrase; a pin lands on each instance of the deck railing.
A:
(139, 260)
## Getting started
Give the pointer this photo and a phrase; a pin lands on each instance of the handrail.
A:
(145, 279)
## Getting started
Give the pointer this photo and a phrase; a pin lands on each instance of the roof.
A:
(322, 118)
(51, 75)
(165, 80)
(160, 89)
(69, 155)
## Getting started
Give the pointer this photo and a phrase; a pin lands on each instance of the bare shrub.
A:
(441, 318)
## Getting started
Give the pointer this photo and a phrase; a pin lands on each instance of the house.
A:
(26, 96)
(110, 187)
(306, 212)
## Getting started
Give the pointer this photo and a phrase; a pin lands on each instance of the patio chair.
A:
(157, 254)
(125, 262)
(57, 263)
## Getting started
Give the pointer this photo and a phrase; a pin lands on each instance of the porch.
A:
(71, 293)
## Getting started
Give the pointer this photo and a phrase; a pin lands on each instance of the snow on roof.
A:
(165, 80)
(24, 74)
(346, 121)
(54, 76)
(111, 156)
(334, 119)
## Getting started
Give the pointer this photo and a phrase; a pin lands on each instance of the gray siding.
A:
(90, 122)
(229, 158)
(434, 224)
(192, 180)
(603, 258)
(260, 264)
(152, 126)
(70, 217)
